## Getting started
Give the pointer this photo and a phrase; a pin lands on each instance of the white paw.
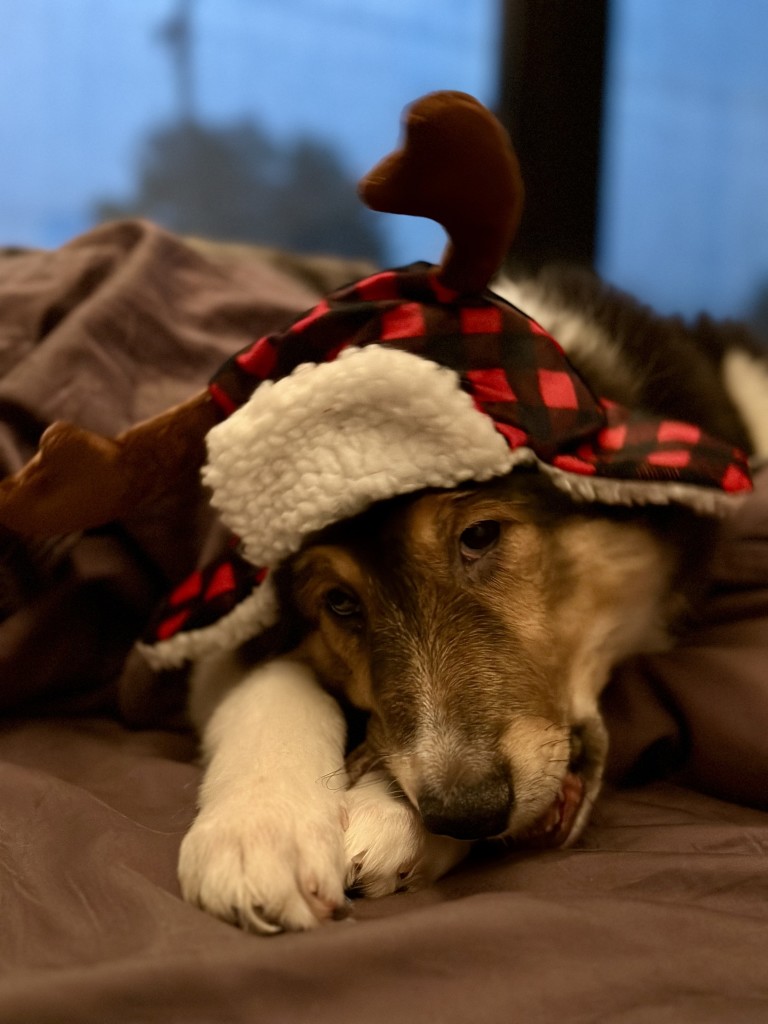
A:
(388, 848)
(272, 862)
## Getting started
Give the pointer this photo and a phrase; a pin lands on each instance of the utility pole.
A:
(177, 34)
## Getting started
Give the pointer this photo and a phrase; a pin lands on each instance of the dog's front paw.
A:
(388, 848)
(268, 864)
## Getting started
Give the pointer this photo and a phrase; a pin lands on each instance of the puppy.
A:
(475, 629)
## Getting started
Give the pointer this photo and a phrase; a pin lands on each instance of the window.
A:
(684, 210)
(253, 119)
(248, 119)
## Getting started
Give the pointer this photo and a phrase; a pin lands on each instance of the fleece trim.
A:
(329, 440)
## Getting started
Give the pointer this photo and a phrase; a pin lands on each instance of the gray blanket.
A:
(659, 914)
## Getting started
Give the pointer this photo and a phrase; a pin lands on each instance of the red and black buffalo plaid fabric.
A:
(515, 372)
(206, 596)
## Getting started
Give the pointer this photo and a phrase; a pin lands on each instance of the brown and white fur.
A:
(476, 629)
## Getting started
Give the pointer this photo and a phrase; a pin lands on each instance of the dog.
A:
(472, 630)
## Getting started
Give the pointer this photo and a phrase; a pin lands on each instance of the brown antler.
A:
(457, 167)
(79, 479)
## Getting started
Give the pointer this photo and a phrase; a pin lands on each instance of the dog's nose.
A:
(476, 811)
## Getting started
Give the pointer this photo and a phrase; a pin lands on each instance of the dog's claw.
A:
(342, 911)
(257, 920)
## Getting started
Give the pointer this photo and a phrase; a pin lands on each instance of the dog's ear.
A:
(78, 479)
(457, 167)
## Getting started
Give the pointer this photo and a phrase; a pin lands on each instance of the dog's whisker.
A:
(550, 743)
(336, 779)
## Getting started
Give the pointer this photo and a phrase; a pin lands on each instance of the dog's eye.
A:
(341, 603)
(479, 538)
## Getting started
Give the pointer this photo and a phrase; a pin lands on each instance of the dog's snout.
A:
(477, 811)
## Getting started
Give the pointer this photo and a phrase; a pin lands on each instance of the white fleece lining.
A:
(333, 438)
(604, 490)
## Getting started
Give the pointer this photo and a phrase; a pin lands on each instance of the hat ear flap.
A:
(457, 167)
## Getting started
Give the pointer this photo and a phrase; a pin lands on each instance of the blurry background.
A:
(642, 126)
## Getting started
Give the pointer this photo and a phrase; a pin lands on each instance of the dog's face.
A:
(478, 627)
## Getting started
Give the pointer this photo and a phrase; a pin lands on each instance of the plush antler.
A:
(78, 479)
(456, 166)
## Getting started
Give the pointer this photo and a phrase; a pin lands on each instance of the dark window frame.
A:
(551, 101)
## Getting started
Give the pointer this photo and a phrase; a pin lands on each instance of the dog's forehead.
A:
(386, 543)
(435, 517)
(423, 522)
(328, 561)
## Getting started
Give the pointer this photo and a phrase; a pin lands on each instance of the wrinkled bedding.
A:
(660, 913)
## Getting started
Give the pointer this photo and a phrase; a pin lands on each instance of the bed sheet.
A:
(659, 913)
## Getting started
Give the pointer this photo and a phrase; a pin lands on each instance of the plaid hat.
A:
(391, 385)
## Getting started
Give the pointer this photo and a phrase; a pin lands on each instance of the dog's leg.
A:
(267, 848)
(388, 847)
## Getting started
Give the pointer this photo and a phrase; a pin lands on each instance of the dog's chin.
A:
(563, 821)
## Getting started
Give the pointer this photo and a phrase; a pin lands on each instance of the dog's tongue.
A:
(554, 826)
